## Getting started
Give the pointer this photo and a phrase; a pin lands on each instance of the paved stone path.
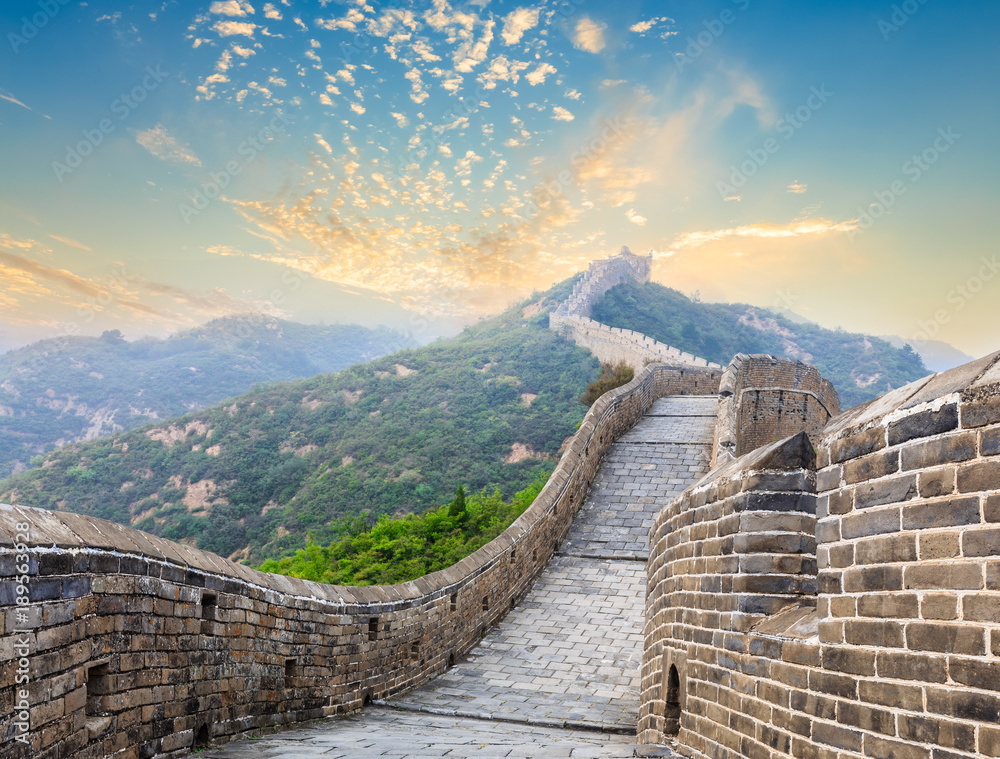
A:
(568, 656)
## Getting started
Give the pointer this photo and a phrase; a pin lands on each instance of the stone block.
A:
(892, 490)
(946, 638)
(979, 476)
(946, 512)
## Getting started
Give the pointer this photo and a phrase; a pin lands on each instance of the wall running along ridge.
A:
(847, 606)
(764, 398)
(612, 345)
(138, 646)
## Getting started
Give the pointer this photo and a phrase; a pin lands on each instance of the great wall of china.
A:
(828, 589)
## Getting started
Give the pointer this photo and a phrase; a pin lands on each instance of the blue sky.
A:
(423, 163)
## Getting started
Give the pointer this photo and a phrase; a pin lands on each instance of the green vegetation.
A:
(401, 549)
(860, 367)
(72, 388)
(609, 378)
(251, 477)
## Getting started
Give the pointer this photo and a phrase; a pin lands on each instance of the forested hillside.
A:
(251, 477)
(75, 388)
(861, 367)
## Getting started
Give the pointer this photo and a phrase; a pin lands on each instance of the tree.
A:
(457, 508)
(112, 336)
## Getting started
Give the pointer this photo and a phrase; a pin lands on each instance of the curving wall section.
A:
(134, 646)
(764, 398)
(842, 607)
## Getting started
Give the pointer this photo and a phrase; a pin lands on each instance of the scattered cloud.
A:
(634, 217)
(233, 28)
(797, 228)
(797, 188)
(68, 241)
(164, 146)
(540, 72)
(231, 8)
(516, 23)
(561, 114)
(589, 35)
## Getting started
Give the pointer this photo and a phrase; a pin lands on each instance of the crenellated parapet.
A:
(612, 345)
(837, 594)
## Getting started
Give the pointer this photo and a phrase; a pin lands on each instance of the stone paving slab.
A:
(570, 652)
(381, 732)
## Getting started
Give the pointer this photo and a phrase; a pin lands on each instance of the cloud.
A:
(68, 241)
(516, 23)
(165, 147)
(271, 12)
(61, 277)
(11, 99)
(642, 27)
(323, 143)
(538, 75)
(232, 28)
(589, 35)
(797, 188)
(561, 114)
(401, 120)
(231, 8)
(635, 218)
(797, 228)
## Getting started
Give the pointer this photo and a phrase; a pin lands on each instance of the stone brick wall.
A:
(612, 345)
(137, 646)
(766, 398)
(601, 276)
(897, 652)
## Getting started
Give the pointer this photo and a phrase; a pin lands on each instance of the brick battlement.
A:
(842, 600)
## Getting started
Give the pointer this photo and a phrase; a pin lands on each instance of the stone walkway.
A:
(568, 656)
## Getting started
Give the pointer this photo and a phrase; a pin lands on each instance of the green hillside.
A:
(860, 367)
(75, 388)
(251, 477)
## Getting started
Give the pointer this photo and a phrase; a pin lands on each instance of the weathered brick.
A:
(856, 445)
(967, 705)
(981, 412)
(947, 449)
(907, 666)
(871, 467)
(866, 717)
(882, 748)
(923, 424)
(876, 522)
(841, 737)
(991, 509)
(886, 550)
(983, 542)
(989, 741)
(946, 512)
(979, 476)
(989, 442)
(932, 483)
(850, 660)
(900, 696)
(944, 575)
(835, 685)
(873, 579)
(939, 606)
(940, 544)
(974, 673)
(882, 492)
(871, 632)
(952, 639)
(937, 732)
(981, 608)
(892, 605)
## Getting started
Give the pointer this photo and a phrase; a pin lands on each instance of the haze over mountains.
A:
(63, 390)
(252, 476)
